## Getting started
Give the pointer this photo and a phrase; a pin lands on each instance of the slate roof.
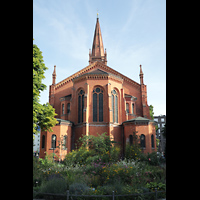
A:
(97, 71)
(138, 119)
(62, 120)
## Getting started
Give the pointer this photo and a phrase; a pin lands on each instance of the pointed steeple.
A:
(97, 47)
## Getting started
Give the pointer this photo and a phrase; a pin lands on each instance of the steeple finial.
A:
(141, 75)
(97, 14)
(141, 72)
(54, 76)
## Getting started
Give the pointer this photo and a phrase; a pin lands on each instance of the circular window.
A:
(97, 89)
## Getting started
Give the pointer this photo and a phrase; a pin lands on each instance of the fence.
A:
(113, 195)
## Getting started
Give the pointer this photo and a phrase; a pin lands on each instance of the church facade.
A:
(98, 99)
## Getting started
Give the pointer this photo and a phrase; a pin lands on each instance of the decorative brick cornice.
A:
(117, 76)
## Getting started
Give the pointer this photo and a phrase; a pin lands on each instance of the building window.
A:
(53, 141)
(65, 142)
(97, 105)
(152, 141)
(162, 119)
(68, 108)
(131, 139)
(43, 141)
(127, 108)
(115, 106)
(80, 105)
(142, 141)
(63, 108)
(133, 108)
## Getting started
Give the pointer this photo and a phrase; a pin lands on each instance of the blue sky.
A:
(133, 31)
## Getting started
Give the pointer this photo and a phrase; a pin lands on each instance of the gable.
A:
(96, 68)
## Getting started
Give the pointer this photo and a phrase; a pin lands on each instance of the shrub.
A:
(78, 156)
(133, 151)
(150, 158)
(100, 144)
(153, 185)
(115, 153)
(93, 148)
(37, 173)
(54, 185)
(78, 188)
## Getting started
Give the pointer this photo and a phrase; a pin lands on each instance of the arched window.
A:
(115, 105)
(97, 104)
(152, 141)
(53, 141)
(80, 105)
(63, 108)
(43, 141)
(65, 142)
(132, 108)
(68, 108)
(131, 139)
(127, 107)
(142, 141)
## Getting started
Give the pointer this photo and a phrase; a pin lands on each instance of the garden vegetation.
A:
(96, 168)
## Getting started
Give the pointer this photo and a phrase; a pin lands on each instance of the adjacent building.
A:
(161, 121)
(36, 144)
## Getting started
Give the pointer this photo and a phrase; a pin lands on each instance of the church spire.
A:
(97, 47)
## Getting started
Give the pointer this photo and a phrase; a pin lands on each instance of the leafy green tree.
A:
(101, 144)
(93, 148)
(151, 112)
(43, 115)
(133, 150)
(152, 115)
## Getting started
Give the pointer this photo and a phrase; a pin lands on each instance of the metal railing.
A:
(113, 195)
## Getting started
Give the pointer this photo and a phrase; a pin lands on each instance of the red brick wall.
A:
(107, 83)
(139, 129)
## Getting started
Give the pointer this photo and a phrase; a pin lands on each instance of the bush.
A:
(132, 152)
(150, 158)
(54, 185)
(78, 188)
(78, 156)
(93, 148)
(153, 185)
(37, 173)
(115, 153)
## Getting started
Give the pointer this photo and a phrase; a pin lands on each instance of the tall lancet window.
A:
(115, 105)
(80, 105)
(97, 105)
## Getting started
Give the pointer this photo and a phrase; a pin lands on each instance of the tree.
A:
(133, 149)
(43, 115)
(151, 112)
(100, 143)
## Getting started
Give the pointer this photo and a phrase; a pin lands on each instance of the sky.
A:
(133, 32)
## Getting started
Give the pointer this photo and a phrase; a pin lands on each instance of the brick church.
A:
(98, 99)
